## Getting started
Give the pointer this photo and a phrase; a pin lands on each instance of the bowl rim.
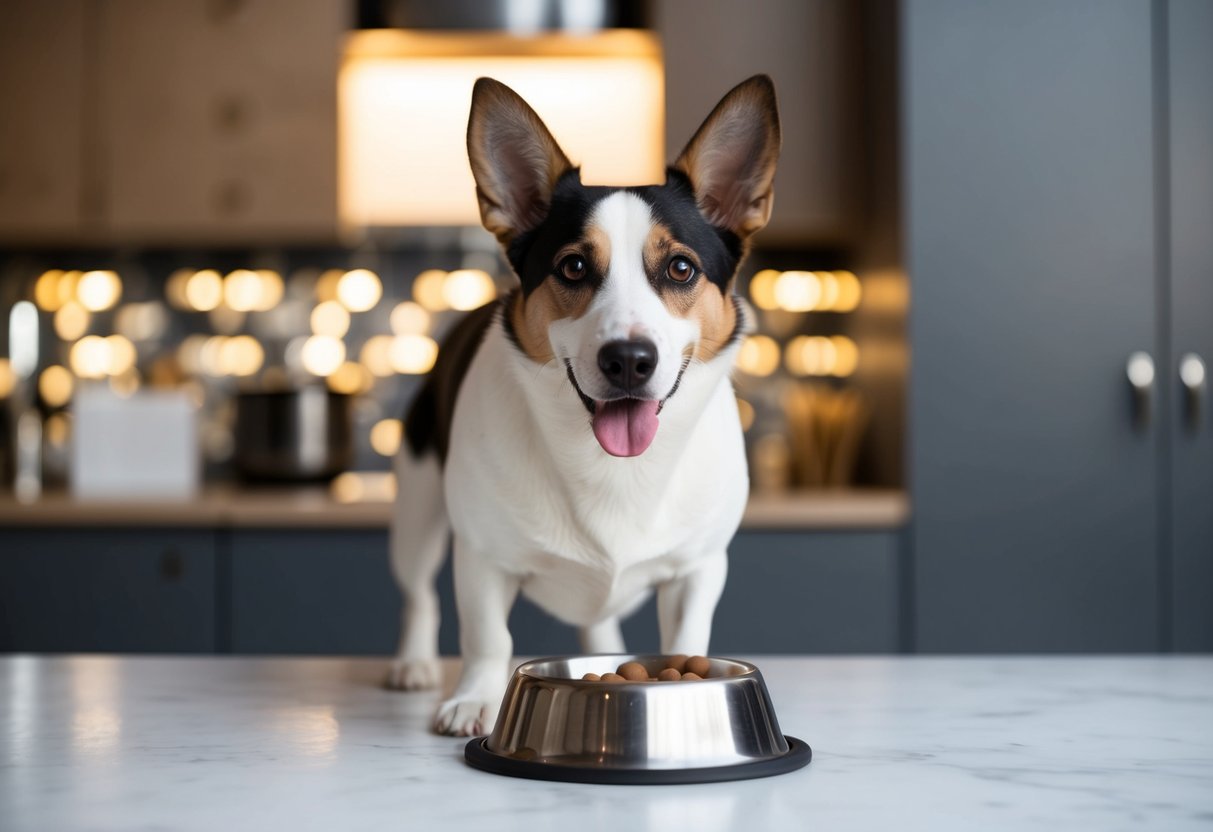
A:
(524, 669)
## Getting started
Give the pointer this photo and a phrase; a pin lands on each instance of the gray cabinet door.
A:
(1028, 165)
(107, 590)
(331, 591)
(1190, 70)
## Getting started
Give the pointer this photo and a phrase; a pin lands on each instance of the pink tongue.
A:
(625, 427)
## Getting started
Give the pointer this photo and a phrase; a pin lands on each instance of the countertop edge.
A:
(850, 510)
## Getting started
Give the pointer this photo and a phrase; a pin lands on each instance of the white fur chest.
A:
(588, 534)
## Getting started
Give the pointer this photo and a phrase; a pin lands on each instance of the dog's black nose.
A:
(628, 364)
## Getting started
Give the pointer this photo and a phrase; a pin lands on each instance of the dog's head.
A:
(624, 287)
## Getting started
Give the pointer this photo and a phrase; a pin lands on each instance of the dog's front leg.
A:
(484, 593)
(685, 606)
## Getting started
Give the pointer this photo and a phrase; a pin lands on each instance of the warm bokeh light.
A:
(126, 384)
(46, 291)
(815, 355)
(466, 289)
(55, 385)
(326, 285)
(351, 378)
(98, 290)
(204, 290)
(174, 289)
(762, 289)
(58, 430)
(8, 379)
(745, 411)
(386, 435)
(72, 321)
(141, 321)
(829, 290)
(121, 355)
(409, 318)
(272, 289)
(210, 355)
(846, 356)
(428, 290)
(67, 285)
(359, 290)
(330, 318)
(849, 292)
(364, 486)
(413, 354)
(322, 355)
(189, 354)
(376, 355)
(243, 291)
(797, 291)
(90, 357)
(240, 356)
(758, 356)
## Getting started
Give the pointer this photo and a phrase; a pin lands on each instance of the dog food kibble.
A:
(677, 668)
(634, 672)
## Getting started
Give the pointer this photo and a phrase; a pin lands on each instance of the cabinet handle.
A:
(172, 565)
(1192, 377)
(1140, 370)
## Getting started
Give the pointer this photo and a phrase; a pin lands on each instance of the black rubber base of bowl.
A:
(478, 756)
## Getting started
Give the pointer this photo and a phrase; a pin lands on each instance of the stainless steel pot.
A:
(293, 435)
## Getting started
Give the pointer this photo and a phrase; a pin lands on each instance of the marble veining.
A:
(904, 743)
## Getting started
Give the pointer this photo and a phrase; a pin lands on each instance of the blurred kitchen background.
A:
(234, 232)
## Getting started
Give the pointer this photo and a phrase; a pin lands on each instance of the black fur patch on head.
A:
(673, 205)
(533, 253)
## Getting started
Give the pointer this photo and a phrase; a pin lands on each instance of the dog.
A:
(580, 435)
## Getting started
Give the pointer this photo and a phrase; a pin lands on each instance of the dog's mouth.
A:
(624, 426)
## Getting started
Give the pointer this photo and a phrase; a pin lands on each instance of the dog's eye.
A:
(572, 267)
(680, 270)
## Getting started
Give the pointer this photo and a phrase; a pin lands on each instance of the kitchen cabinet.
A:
(42, 98)
(1190, 187)
(809, 48)
(191, 122)
(219, 122)
(107, 590)
(330, 591)
(1054, 508)
(316, 591)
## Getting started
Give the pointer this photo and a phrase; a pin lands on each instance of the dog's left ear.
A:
(731, 158)
(515, 160)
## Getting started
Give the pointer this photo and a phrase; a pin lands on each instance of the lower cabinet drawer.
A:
(107, 590)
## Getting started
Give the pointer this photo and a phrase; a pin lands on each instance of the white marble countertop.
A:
(901, 743)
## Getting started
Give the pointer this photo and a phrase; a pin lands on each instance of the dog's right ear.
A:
(515, 160)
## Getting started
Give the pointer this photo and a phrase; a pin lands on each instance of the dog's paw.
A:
(465, 717)
(414, 674)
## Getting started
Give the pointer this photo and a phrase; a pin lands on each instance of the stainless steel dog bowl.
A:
(554, 726)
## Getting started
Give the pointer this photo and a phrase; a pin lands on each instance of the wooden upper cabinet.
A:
(809, 49)
(42, 54)
(218, 119)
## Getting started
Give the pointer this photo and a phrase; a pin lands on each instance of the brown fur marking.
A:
(703, 301)
(551, 301)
